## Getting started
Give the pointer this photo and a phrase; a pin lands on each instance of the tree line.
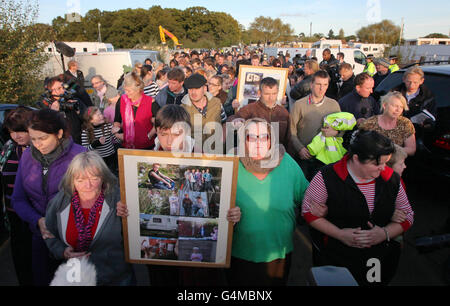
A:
(22, 40)
(128, 28)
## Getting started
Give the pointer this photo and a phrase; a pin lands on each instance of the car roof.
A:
(438, 69)
(7, 106)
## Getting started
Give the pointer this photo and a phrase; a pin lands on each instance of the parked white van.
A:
(108, 64)
(352, 56)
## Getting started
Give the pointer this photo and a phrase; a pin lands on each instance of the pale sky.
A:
(420, 17)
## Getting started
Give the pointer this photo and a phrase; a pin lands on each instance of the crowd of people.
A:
(59, 170)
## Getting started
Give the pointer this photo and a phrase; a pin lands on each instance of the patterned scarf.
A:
(128, 121)
(84, 230)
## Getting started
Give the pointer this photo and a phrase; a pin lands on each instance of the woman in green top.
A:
(270, 186)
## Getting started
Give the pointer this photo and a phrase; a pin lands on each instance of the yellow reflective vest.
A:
(330, 149)
(393, 68)
(370, 69)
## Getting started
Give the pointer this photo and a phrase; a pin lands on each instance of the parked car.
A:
(433, 143)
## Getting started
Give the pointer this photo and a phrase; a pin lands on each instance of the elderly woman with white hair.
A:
(104, 94)
(82, 218)
(392, 124)
(134, 115)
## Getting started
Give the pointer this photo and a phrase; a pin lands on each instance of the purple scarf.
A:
(84, 230)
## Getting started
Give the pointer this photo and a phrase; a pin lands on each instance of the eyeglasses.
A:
(212, 84)
(254, 138)
(57, 89)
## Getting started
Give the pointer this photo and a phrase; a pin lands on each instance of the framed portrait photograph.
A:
(177, 207)
(250, 77)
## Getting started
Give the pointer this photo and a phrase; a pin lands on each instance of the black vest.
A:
(347, 206)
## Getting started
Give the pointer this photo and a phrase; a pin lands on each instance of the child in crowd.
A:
(196, 255)
(397, 160)
(99, 134)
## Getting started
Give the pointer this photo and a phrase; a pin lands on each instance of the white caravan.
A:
(108, 64)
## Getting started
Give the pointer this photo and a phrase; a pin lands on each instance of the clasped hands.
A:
(356, 237)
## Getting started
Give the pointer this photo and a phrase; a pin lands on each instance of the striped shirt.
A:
(317, 193)
(103, 130)
(151, 90)
(9, 172)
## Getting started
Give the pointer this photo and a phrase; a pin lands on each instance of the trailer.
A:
(159, 223)
(292, 51)
(107, 64)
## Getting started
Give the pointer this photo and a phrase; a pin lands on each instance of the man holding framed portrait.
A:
(163, 271)
(267, 108)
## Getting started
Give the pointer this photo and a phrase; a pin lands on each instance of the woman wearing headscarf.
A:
(270, 186)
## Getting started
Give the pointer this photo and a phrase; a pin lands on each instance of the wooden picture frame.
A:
(183, 226)
(250, 77)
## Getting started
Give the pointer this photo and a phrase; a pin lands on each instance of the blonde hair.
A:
(200, 71)
(414, 70)
(312, 65)
(84, 162)
(399, 154)
(389, 97)
(133, 80)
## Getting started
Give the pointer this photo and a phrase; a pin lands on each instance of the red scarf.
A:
(84, 229)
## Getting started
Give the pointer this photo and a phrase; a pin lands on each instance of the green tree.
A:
(266, 29)
(331, 34)
(130, 28)
(384, 32)
(22, 44)
(341, 34)
(225, 29)
(436, 35)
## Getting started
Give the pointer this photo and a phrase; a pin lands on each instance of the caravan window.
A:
(84, 49)
(360, 58)
(157, 220)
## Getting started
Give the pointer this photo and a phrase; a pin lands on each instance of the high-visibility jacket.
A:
(370, 69)
(393, 68)
(330, 149)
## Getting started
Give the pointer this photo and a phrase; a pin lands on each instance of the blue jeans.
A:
(161, 185)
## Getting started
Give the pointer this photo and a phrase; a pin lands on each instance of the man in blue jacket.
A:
(359, 102)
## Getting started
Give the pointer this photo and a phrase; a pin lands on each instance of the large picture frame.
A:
(182, 223)
(250, 77)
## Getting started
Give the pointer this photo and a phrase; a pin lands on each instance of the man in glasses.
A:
(215, 88)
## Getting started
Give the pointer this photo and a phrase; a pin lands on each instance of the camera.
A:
(65, 101)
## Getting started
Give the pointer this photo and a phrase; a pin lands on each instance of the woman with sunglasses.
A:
(270, 186)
